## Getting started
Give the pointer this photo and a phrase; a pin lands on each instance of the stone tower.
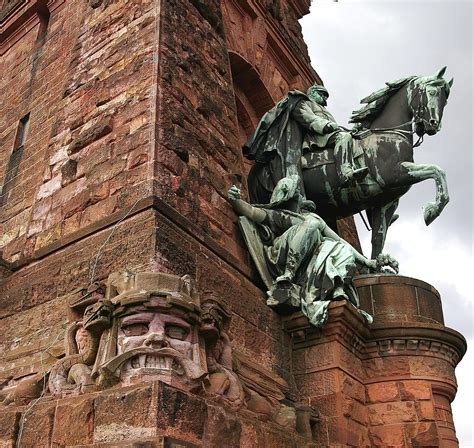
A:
(121, 125)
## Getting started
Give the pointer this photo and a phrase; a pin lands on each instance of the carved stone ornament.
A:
(154, 333)
(141, 327)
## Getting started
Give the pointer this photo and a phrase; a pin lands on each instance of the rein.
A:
(396, 130)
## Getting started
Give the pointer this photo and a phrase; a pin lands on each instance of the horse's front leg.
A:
(380, 219)
(418, 173)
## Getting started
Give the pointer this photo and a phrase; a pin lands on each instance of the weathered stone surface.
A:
(9, 425)
(422, 434)
(414, 390)
(222, 428)
(74, 422)
(125, 414)
(127, 100)
(382, 392)
(389, 413)
(36, 426)
(180, 414)
(90, 135)
(392, 435)
(425, 410)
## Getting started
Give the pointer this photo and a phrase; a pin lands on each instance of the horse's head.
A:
(427, 97)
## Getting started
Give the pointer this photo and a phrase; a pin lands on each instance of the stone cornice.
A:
(347, 326)
(384, 279)
(6, 10)
(152, 203)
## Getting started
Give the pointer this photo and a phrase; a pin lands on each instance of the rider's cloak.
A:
(277, 143)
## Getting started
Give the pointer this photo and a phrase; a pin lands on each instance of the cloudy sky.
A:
(355, 46)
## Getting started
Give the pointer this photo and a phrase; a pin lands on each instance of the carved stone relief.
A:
(141, 327)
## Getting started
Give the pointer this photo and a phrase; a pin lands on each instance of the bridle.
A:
(418, 109)
(418, 112)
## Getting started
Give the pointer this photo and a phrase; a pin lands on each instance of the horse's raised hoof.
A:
(430, 213)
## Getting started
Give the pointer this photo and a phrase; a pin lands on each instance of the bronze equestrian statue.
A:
(367, 168)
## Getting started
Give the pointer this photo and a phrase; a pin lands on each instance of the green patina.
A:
(366, 168)
(297, 254)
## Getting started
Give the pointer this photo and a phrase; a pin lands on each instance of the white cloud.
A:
(429, 254)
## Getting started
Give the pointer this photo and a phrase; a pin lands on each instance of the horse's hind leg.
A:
(381, 218)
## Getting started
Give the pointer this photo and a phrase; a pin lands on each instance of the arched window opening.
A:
(252, 98)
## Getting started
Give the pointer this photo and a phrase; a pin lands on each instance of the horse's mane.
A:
(375, 102)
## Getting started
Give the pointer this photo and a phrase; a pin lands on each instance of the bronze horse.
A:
(383, 142)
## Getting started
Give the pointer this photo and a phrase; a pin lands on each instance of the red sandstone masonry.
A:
(139, 415)
(92, 98)
(389, 384)
(145, 242)
(94, 111)
(31, 89)
(129, 100)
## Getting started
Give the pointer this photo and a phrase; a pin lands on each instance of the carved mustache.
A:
(191, 369)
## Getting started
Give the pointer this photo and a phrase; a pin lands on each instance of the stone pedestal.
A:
(390, 383)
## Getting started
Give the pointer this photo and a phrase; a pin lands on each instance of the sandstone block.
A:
(221, 429)
(422, 434)
(125, 414)
(251, 436)
(355, 411)
(414, 390)
(425, 410)
(392, 436)
(48, 237)
(354, 389)
(74, 422)
(98, 211)
(9, 424)
(48, 188)
(180, 414)
(390, 413)
(36, 426)
(90, 135)
(382, 392)
(69, 191)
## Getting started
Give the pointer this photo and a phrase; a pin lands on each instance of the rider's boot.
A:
(348, 174)
(360, 173)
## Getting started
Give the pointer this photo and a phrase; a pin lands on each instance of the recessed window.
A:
(22, 132)
(15, 158)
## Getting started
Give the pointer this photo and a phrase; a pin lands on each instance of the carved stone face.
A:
(155, 331)
(158, 345)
